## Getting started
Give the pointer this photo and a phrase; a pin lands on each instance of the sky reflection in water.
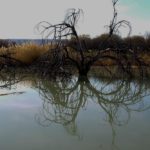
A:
(97, 114)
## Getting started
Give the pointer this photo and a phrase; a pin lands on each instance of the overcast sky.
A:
(18, 17)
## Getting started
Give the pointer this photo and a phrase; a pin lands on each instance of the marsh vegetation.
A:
(76, 92)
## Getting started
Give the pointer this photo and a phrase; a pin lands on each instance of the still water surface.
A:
(99, 114)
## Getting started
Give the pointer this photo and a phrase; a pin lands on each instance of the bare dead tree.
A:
(60, 33)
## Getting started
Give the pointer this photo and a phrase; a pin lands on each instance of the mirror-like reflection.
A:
(63, 100)
(9, 80)
(70, 102)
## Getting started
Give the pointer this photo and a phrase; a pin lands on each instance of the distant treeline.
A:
(6, 43)
(137, 42)
(11, 42)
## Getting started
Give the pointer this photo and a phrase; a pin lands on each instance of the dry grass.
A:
(29, 52)
(25, 53)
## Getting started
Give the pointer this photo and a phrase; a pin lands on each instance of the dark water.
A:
(99, 114)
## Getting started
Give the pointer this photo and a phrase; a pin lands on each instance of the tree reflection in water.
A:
(7, 80)
(62, 100)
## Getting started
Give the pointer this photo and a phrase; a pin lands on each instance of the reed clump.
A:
(26, 53)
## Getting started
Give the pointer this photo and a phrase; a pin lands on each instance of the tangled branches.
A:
(60, 33)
